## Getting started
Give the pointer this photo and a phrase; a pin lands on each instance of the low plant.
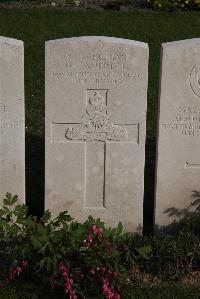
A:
(174, 256)
(86, 4)
(175, 4)
(88, 258)
(61, 251)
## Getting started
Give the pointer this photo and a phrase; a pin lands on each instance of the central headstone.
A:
(96, 91)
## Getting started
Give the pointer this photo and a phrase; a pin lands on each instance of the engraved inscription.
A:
(3, 108)
(97, 123)
(94, 67)
(195, 80)
(192, 165)
(12, 125)
(186, 121)
(4, 125)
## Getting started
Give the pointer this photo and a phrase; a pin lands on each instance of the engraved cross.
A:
(97, 130)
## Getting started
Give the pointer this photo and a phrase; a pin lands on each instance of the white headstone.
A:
(12, 122)
(178, 153)
(96, 93)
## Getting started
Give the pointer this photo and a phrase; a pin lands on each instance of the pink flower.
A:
(87, 240)
(24, 263)
(18, 269)
(94, 227)
(64, 274)
(109, 292)
(67, 281)
(92, 271)
(97, 230)
(13, 273)
(61, 266)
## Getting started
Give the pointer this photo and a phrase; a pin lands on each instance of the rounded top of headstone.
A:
(96, 39)
(10, 41)
(182, 43)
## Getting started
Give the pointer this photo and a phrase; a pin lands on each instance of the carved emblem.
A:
(97, 124)
(195, 80)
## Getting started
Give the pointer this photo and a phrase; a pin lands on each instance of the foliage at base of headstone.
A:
(175, 4)
(87, 258)
(86, 4)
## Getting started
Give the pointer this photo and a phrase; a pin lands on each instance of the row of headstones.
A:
(96, 100)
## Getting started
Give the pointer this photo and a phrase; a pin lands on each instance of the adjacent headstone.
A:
(96, 94)
(178, 153)
(12, 134)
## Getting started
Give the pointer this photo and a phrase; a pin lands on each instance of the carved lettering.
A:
(13, 125)
(186, 121)
(111, 68)
(3, 108)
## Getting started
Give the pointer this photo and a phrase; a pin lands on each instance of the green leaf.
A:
(91, 220)
(20, 211)
(46, 217)
(14, 199)
(43, 262)
(119, 229)
(7, 199)
(6, 209)
(36, 243)
(49, 264)
(2, 222)
(144, 251)
(2, 212)
(190, 253)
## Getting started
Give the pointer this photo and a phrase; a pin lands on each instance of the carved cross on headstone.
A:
(96, 130)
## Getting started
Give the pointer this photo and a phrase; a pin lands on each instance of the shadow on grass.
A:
(149, 182)
(35, 175)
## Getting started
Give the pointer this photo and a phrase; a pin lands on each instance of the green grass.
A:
(167, 291)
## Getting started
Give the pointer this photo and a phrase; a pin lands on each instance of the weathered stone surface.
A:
(12, 122)
(178, 158)
(96, 90)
